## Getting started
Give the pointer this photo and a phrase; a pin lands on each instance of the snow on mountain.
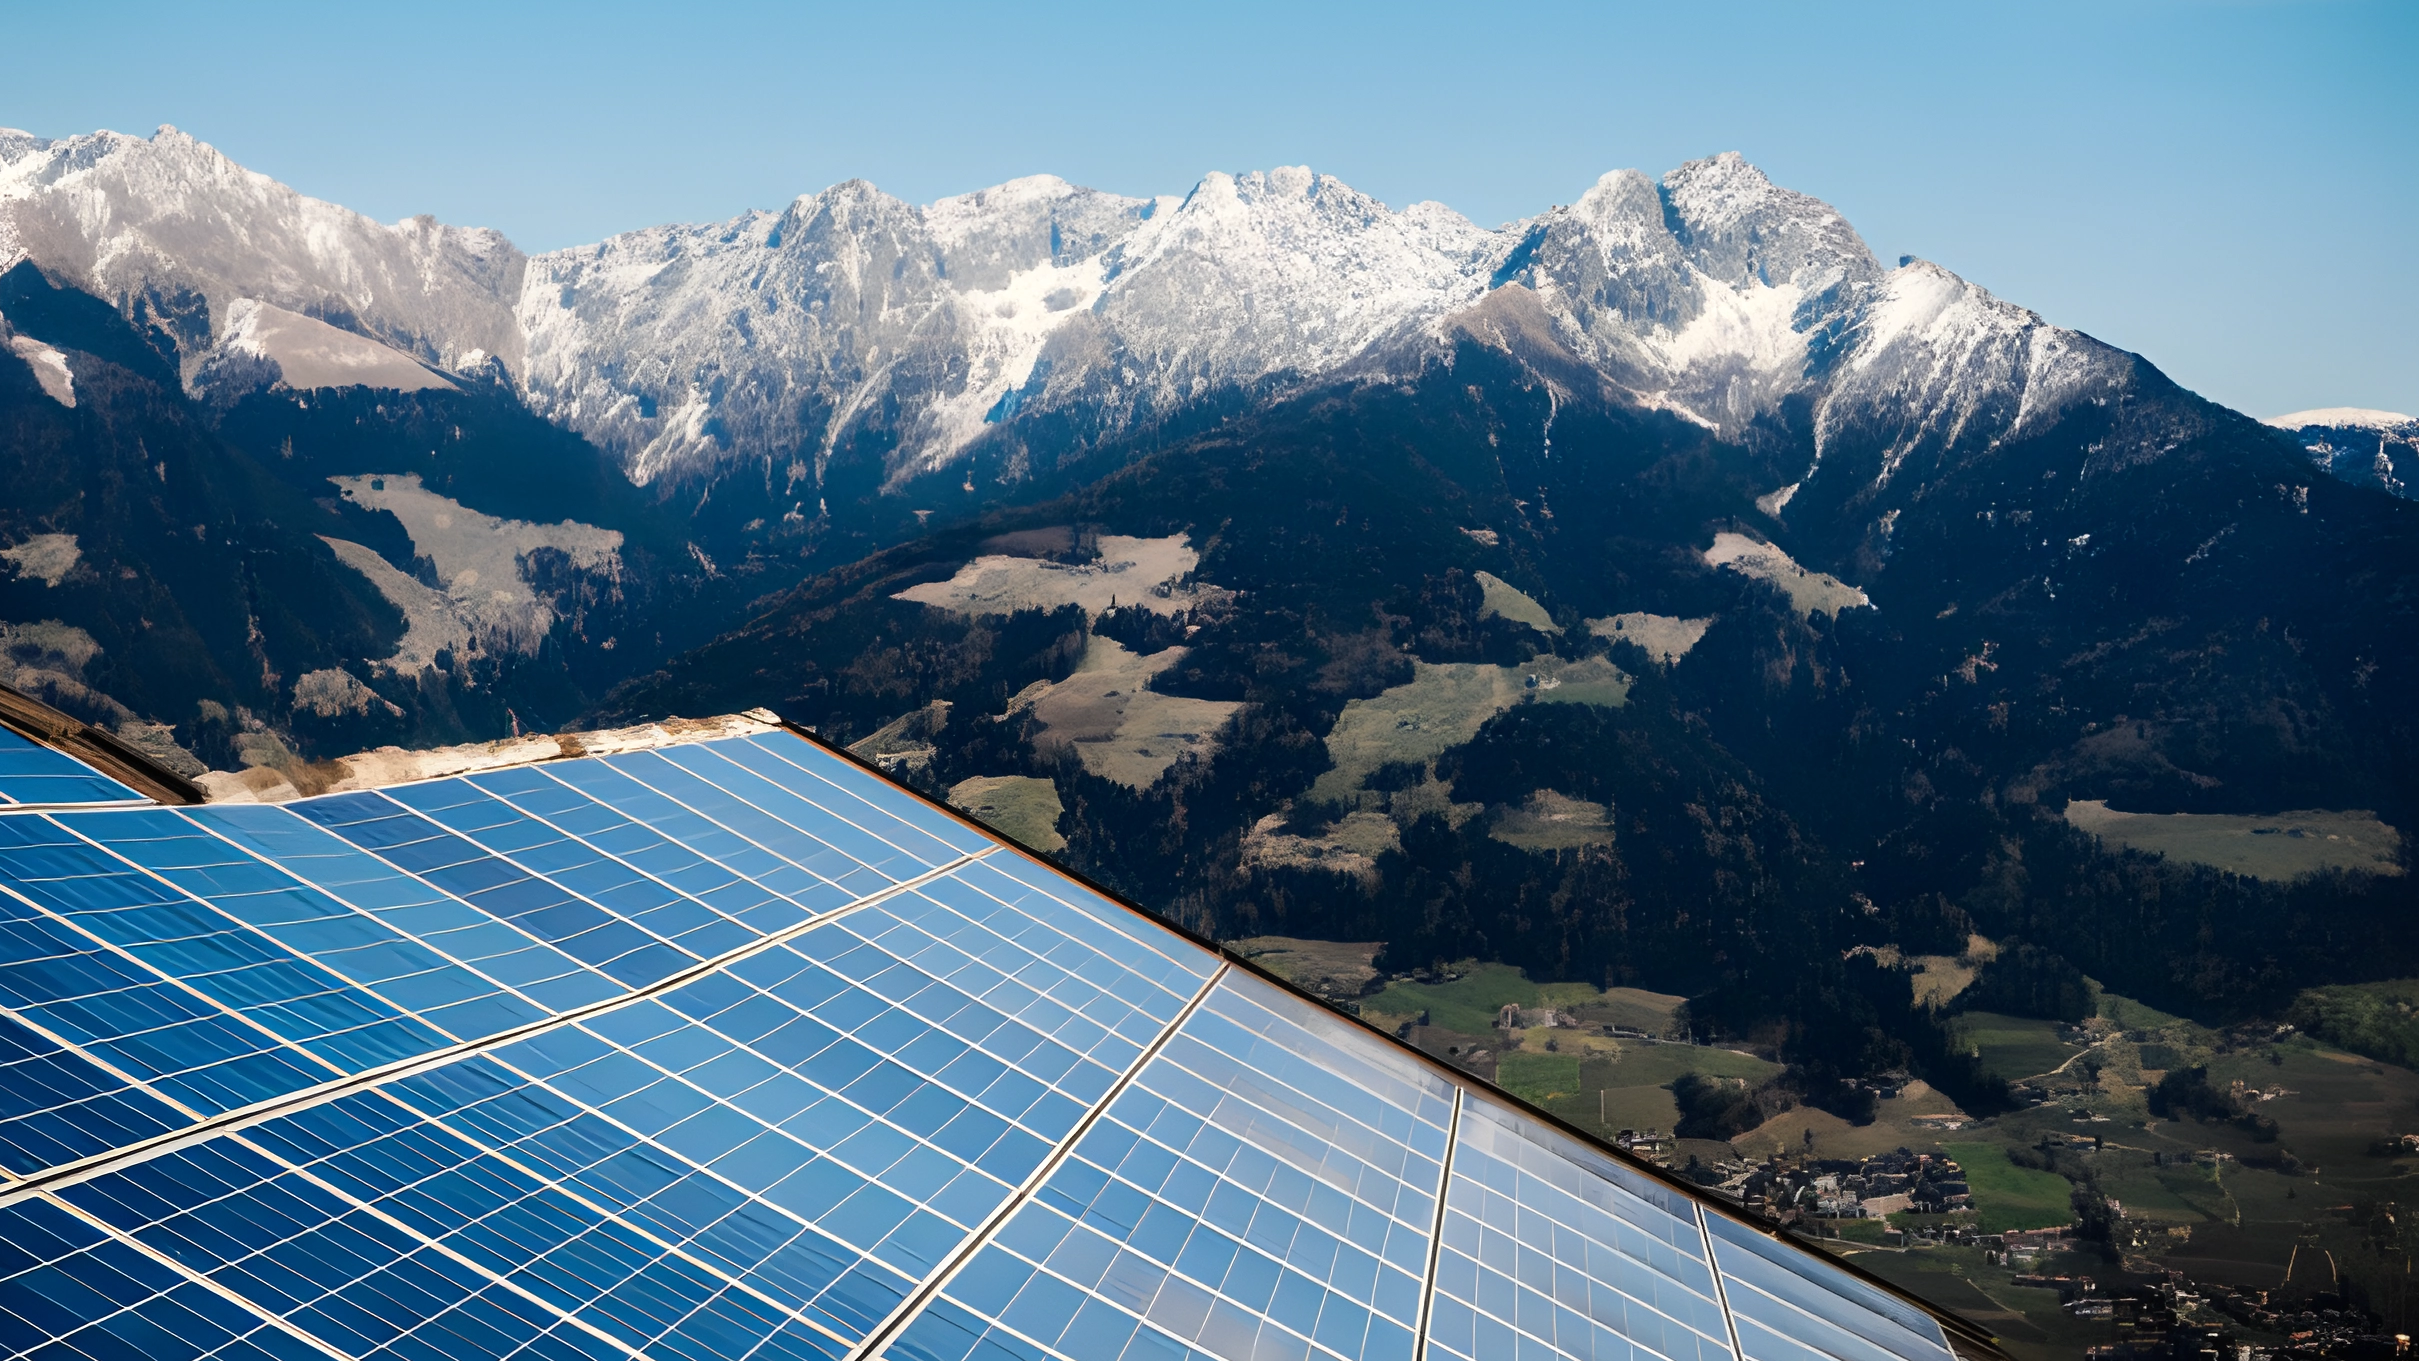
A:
(1932, 361)
(854, 323)
(1701, 292)
(176, 233)
(2365, 447)
(2342, 418)
(777, 337)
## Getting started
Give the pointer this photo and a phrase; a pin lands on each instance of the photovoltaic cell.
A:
(33, 773)
(71, 1292)
(356, 945)
(244, 971)
(959, 1119)
(531, 968)
(1265, 1187)
(1552, 1250)
(57, 1106)
(1791, 1306)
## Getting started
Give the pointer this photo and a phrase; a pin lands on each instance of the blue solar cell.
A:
(610, 883)
(363, 1225)
(532, 968)
(70, 1292)
(347, 941)
(1265, 1186)
(186, 1048)
(1552, 1249)
(33, 773)
(669, 817)
(537, 906)
(788, 1154)
(848, 790)
(243, 970)
(1789, 1305)
(858, 857)
(653, 851)
(57, 1106)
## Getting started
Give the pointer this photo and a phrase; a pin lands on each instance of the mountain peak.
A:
(2341, 418)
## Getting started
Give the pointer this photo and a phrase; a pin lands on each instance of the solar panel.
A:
(735, 1050)
(31, 773)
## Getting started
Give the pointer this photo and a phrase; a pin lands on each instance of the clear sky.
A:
(2228, 187)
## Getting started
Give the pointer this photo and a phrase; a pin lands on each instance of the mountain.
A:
(2367, 448)
(1660, 592)
(1178, 503)
(856, 343)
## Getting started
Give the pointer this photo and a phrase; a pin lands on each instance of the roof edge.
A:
(1966, 1338)
(97, 747)
(388, 767)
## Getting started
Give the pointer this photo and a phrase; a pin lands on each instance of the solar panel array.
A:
(734, 1050)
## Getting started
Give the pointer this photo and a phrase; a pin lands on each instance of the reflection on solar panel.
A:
(33, 773)
(736, 1050)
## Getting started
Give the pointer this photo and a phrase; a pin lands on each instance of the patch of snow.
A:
(393, 765)
(2342, 418)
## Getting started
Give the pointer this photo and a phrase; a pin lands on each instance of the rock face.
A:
(853, 326)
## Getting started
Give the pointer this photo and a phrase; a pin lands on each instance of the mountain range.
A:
(1659, 590)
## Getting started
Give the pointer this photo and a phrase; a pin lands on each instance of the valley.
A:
(1764, 707)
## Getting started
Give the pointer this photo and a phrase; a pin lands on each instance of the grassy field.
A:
(2273, 846)
(1503, 600)
(1022, 806)
(1541, 1078)
(1666, 638)
(1129, 571)
(1444, 705)
(1589, 1078)
(1810, 593)
(1120, 728)
(2015, 1046)
(2010, 1197)
(1895, 1125)
(1553, 822)
(2029, 1322)
(1330, 968)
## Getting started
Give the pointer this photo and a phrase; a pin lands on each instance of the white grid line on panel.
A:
(881, 1337)
(413, 936)
(469, 1263)
(803, 796)
(1436, 1230)
(1721, 1291)
(242, 927)
(87, 1168)
(626, 1223)
(538, 876)
(276, 1041)
(709, 819)
(580, 839)
(267, 1317)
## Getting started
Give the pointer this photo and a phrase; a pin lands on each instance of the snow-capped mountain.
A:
(855, 325)
(177, 234)
(2367, 448)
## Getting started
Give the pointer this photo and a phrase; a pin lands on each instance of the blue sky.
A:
(2229, 187)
